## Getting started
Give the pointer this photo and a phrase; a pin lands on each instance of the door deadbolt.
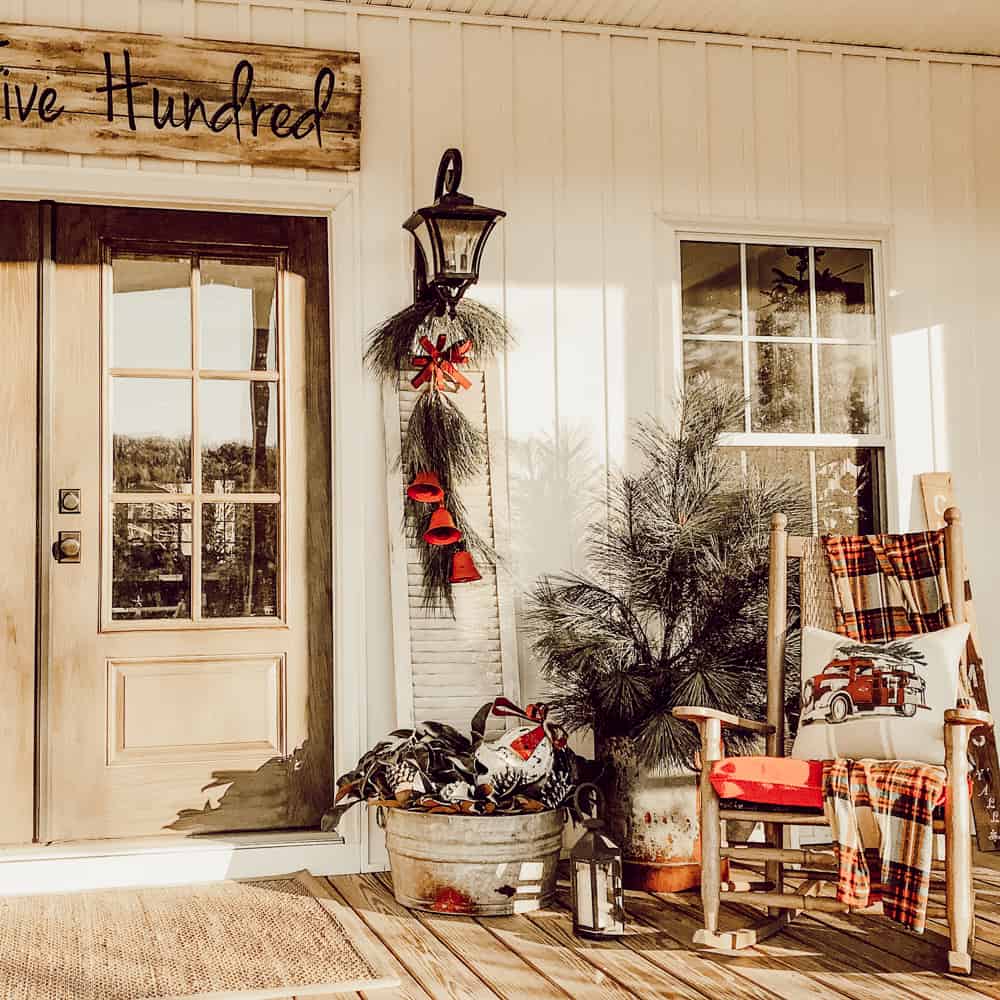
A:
(69, 501)
(67, 547)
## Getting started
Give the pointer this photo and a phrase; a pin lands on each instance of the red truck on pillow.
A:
(854, 685)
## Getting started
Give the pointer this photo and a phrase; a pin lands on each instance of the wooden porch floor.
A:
(536, 955)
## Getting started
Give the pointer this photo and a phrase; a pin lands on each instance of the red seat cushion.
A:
(773, 781)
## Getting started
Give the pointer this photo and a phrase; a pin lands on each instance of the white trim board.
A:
(335, 200)
(119, 864)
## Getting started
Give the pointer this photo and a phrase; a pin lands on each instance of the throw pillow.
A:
(884, 700)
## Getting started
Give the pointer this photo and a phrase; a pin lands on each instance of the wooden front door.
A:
(187, 684)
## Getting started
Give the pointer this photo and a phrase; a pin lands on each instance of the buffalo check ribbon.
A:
(438, 364)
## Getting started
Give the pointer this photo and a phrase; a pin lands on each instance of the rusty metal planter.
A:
(653, 813)
(479, 865)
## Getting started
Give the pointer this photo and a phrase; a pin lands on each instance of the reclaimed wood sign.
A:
(178, 98)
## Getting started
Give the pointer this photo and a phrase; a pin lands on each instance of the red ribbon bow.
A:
(535, 712)
(439, 363)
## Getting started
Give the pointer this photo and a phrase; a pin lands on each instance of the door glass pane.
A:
(845, 294)
(240, 560)
(151, 432)
(780, 388)
(848, 389)
(778, 291)
(847, 481)
(151, 561)
(237, 322)
(151, 312)
(722, 360)
(239, 436)
(710, 288)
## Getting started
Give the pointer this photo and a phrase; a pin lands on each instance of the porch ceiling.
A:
(971, 26)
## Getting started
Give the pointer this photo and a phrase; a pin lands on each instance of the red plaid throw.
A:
(890, 803)
(888, 586)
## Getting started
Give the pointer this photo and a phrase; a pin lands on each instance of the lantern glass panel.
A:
(597, 897)
(425, 242)
(459, 240)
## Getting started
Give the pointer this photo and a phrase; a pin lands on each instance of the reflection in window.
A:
(151, 435)
(239, 436)
(151, 561)
(848, 397)
(720, 359)
(239, 560)
(778, 290)
(237, 321)
(780, 388)
(191, 430)
(150, 312)
(710, 276)
(794, 328)
(845, 294)
(843, 483)
(847, 484)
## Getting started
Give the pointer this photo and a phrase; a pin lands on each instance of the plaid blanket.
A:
(881, 812)
(880, 815)
(889, 586)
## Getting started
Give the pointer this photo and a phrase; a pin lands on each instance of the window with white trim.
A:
(797, 328)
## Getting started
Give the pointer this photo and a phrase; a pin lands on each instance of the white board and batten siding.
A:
(448, 666)
(592, 137)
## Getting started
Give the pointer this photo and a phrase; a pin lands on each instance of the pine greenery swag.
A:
(674, 608)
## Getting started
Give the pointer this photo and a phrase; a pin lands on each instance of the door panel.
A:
(18, 407)
(190, 681)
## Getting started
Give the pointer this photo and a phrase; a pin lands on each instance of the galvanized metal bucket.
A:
(653, 813)
(482, 865)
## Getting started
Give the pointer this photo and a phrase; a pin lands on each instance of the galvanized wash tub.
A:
(482, 865)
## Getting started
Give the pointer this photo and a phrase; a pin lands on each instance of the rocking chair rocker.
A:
(783, 906)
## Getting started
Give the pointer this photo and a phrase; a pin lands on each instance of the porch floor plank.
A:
(820, 956)
(628, 968)
(435, 967)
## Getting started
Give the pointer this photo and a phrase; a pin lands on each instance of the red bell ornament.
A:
(463, 569)
(425, 488)
(442, 530)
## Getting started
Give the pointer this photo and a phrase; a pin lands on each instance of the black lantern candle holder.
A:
(450, 236)
(598, 896)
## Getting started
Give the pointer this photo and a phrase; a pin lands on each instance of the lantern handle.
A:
(589, 788)
(449, 175)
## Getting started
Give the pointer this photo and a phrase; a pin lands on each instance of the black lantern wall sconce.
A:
(450, 237)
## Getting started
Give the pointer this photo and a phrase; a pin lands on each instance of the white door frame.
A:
(169, 861)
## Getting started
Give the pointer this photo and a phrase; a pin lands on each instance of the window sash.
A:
(880, 443)
(883, 437)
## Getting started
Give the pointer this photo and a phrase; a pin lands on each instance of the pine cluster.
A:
(673, 609)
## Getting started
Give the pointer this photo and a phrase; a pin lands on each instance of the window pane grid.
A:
(226, 540)
(810, 370)
(773, 307)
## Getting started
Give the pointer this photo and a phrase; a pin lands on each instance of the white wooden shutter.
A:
(447, 667)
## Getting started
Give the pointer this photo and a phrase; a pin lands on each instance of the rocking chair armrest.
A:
(699, 716)
(968, 717)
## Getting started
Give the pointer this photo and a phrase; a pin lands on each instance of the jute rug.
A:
(263, 939)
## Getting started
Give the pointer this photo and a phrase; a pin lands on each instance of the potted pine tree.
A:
(672, 611)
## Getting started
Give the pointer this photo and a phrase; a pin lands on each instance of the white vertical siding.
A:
(584, 135)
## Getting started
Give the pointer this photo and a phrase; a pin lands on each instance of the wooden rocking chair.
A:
(782, 906)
